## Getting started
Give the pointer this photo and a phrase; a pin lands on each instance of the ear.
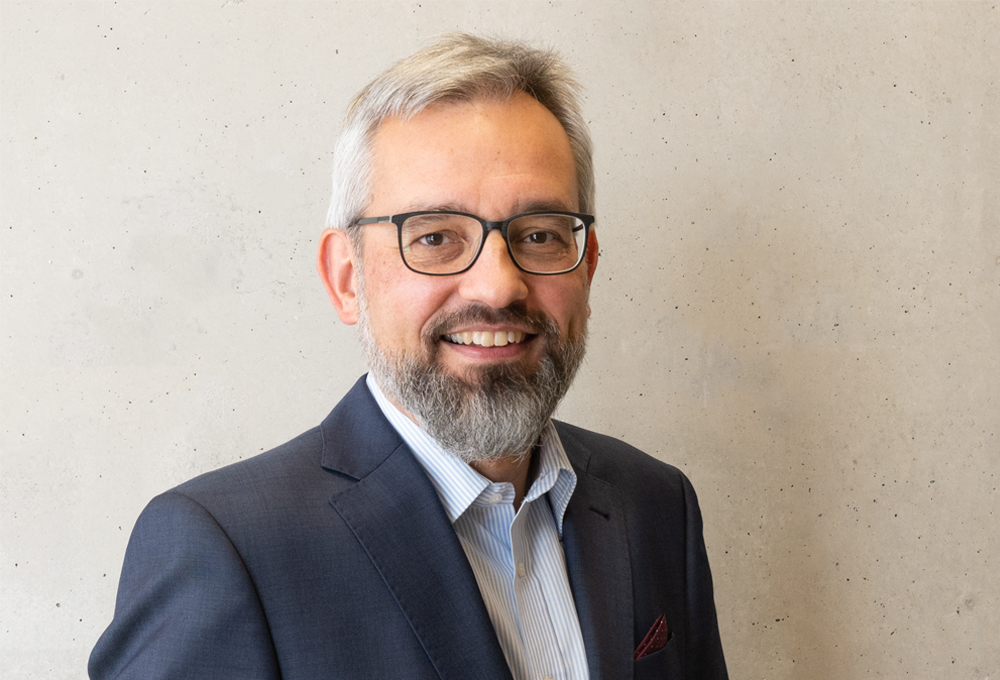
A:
(335, 264)
(593, 250)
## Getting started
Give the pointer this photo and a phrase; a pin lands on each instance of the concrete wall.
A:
(797, 301)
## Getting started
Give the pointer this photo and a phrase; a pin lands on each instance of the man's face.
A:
(494, 160)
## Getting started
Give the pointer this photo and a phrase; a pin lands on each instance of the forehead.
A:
(473, 156)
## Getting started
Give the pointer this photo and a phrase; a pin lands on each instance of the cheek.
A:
(565, 302)
(401, 303)
(384, 274)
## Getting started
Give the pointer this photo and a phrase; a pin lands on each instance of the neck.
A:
(517, 470)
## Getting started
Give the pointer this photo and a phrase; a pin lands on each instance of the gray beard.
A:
(485, 414)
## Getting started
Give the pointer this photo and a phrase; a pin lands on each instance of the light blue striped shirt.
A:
(517, 558)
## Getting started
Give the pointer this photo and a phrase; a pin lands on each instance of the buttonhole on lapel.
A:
(600, 512)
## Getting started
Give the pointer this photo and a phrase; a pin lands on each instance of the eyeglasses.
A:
(440, 243)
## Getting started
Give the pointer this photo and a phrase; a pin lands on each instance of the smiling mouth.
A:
(486, 338)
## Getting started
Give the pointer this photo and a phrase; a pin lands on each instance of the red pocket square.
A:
(655, 639)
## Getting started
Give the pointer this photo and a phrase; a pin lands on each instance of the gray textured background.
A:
(797, 301)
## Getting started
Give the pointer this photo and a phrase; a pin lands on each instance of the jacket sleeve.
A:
(705, 658)
(186, 607)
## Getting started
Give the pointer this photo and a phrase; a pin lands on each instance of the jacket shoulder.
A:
(619, 463)
(269, 483)
(302, 450)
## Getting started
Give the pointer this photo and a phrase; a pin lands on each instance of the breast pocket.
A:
(662, 664)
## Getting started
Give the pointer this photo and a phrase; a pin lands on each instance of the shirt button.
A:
(495, 498)
(521, 571)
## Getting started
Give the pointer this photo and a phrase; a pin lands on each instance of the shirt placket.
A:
(537, 634)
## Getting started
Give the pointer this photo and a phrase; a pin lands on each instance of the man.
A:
(438, 524)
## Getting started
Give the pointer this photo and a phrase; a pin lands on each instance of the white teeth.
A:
(486, 338)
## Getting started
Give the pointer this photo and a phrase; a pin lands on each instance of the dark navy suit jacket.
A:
(331, 556)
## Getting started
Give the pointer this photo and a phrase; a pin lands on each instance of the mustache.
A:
(516, 314)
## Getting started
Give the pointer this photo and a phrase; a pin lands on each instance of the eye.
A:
(539, 237)
(543, 237)
(435, 239)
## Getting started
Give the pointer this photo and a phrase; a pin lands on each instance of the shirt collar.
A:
(458, 485)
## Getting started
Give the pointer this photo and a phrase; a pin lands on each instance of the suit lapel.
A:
(397, 517)
(599, 567)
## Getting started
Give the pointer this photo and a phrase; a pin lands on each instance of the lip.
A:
(490, 328)
(480, 353)
(486, 335)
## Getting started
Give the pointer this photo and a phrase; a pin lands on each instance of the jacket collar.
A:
(356, 437)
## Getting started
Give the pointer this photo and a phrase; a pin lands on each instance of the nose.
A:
(494, 279)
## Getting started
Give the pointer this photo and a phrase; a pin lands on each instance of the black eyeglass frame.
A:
(488, 226)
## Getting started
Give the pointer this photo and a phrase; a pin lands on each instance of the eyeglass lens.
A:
(442, 243)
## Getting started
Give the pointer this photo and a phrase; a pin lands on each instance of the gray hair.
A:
(457, 68)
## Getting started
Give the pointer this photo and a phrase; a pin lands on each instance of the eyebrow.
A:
(519, 207)
(433, 207)
(540, 206)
